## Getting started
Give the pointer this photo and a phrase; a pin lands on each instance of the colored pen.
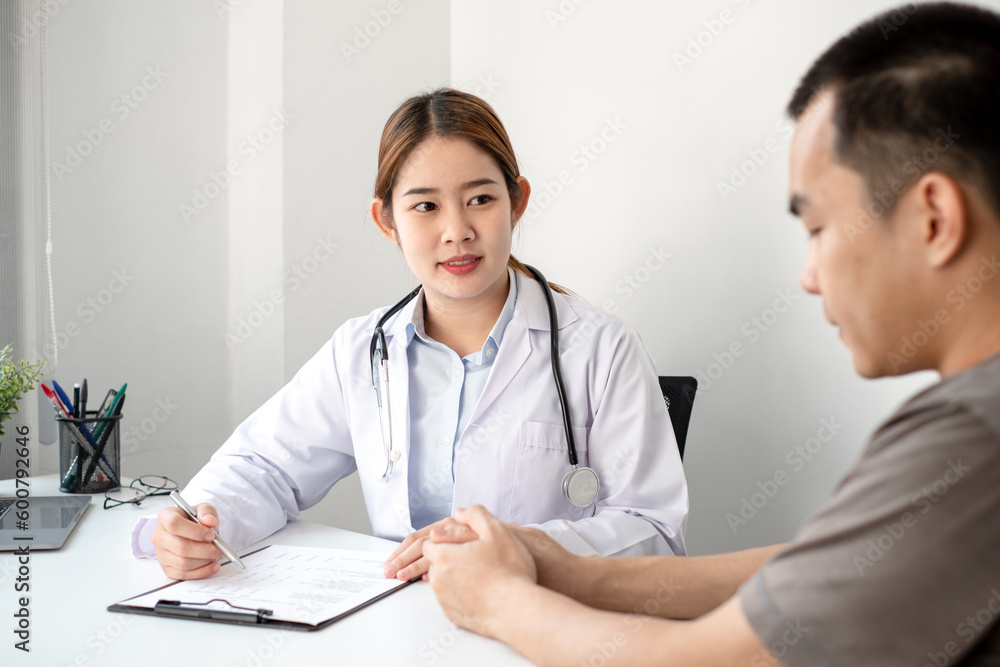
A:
(54, 400)
(113, 401)
(78, 414)
(60, 409)
(111, 408)
(108, 399)
(67, 481)
(64, 397)
(83, 400)
(223, 547)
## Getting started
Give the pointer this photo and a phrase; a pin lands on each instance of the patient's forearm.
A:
(554, 631)
(666, 586)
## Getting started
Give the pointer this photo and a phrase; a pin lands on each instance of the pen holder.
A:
(89, 453)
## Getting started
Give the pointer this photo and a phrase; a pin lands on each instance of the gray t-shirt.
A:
(902, 566)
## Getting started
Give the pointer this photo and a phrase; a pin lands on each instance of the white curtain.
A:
(23, 213)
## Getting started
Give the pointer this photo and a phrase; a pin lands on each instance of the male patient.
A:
(895, 173)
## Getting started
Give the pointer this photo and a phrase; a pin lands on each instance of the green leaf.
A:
(16, 379)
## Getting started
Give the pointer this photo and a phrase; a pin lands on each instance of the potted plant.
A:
(16, 379)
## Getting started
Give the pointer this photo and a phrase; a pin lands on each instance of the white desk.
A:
(71, 588)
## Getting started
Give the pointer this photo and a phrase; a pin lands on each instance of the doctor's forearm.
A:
(665, 586)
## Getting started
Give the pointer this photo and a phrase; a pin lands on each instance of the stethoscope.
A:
(580, 485)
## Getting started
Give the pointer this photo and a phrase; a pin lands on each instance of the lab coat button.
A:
(396, 455)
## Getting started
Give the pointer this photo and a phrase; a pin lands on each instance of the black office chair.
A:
(678, 394)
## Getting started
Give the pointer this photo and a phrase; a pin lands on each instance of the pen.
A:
(83, 416)
(101, 426)
(56, 403)
(64, 397)
(108, 400)
(78, 412)
(54, 400)
(60, 412)
(223, 547)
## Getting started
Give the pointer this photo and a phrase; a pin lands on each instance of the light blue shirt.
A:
(444, 391)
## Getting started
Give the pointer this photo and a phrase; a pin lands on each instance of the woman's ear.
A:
(525, 187)
(382, 220)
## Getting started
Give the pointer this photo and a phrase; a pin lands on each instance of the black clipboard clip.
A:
(236, 614)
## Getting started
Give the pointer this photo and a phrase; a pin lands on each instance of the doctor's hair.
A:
(915, 89)
(446, 112)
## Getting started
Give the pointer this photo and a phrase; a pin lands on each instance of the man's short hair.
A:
(916, 89)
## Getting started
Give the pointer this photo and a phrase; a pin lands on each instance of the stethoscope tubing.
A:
(578, 478)
(556, 368)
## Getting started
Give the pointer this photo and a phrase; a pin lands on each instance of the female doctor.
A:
(467, 411)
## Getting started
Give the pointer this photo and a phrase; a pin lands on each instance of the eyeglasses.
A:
(139, 490)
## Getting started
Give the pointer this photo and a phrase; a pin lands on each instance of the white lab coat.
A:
(511, 458)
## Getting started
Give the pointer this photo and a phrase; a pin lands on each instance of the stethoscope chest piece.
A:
(581, 486)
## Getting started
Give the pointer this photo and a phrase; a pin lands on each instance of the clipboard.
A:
(233, 607)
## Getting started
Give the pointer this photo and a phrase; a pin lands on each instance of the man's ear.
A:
(942, 215)
(383, 220)
(525, 187)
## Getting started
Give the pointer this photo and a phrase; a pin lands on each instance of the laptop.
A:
(50, 521)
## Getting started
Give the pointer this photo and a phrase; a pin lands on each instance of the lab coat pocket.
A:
(542, 462)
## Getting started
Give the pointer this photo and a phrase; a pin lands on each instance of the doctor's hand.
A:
(407, 560)
(183, 548)
(476, 580)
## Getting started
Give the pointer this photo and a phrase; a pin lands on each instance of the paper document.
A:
(300, 584)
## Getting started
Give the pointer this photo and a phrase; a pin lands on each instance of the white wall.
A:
(140, 295)
(341, 89)
(250, 89)
(662, 133)
(293, 218)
